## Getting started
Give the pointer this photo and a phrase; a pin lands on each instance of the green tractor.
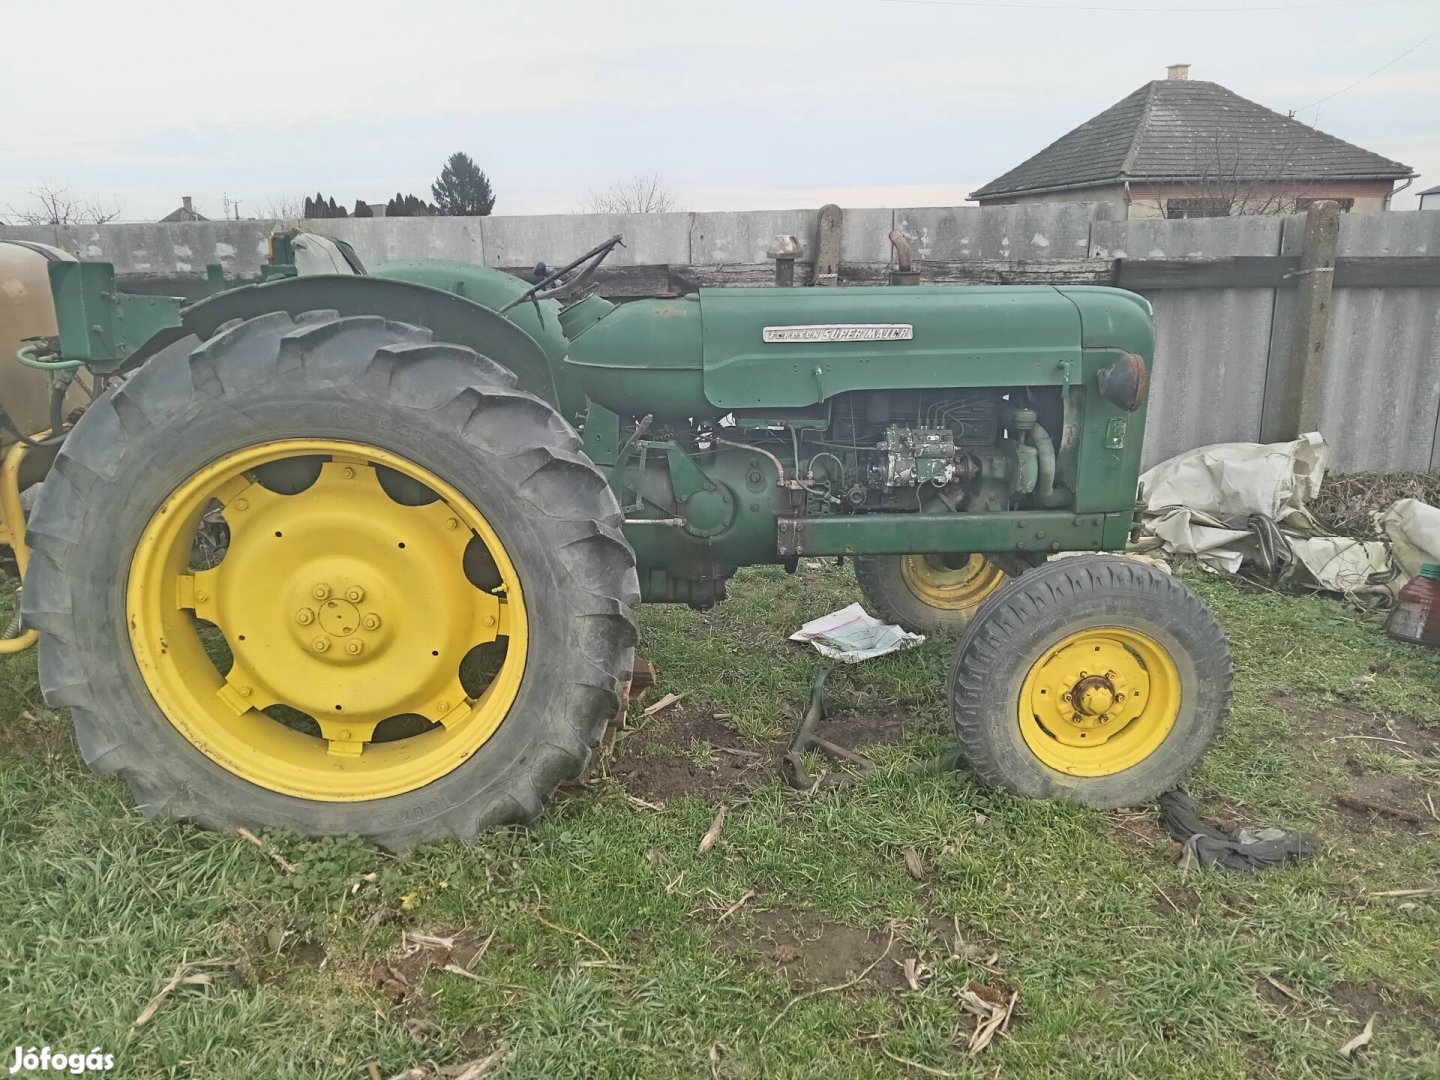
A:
(360, 552)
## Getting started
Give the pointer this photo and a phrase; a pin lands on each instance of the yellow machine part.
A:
(337, 603)
(1099, 701)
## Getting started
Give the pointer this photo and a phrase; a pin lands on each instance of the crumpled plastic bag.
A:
(851, 635)
(1414, 531)
(1233, 503)
(1230, 480)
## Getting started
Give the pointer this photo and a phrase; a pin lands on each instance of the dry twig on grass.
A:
(187, 974)
(280, 860)
(712, 834)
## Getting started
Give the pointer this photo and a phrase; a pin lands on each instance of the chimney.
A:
(189, 207)
(1177, 71)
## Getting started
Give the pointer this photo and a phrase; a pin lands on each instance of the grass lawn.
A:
(601, 944)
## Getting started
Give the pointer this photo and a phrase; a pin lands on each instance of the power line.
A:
(1372, 74)
(1150, 10)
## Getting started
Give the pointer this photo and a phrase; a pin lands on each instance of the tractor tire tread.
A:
(353, 358)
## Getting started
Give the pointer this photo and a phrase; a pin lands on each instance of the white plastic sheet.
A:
(1199, 503)
(850, 635)
(1226, 480)
(1414, 531)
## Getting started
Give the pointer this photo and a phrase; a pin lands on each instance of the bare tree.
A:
(638, 194)
(53, 205)
(286, 208)
(1235, 180)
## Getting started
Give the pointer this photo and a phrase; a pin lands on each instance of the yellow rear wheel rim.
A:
(1099, 701)
(340, 603)
(937, 584)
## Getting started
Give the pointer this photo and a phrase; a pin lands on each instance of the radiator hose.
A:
(1047, 493)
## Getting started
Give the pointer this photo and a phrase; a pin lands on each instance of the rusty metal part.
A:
(904, 272)
(1125, 381)
(792, 764)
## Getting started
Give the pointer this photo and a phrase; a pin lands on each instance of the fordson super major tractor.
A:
(360, 552)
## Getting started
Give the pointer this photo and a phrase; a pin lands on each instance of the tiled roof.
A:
(1187, 129)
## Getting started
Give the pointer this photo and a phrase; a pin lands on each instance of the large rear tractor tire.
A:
(1094, 679)
(321, 573)
(929, 593)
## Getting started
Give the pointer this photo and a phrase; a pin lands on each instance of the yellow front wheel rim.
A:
(321, 655)
(1099, 701)
(935, 582)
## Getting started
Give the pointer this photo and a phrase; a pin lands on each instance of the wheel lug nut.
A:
(443, 707)
(451, 523)
(354, 648)
(244, 691)
(304, 616)
(354, 594)
(489, 620)
(201, 596)
(320, 592)
(371, 622)
(348, 473)
(320, 644)
(241, 504)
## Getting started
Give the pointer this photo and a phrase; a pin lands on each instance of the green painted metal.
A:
(493, 289)
(644, 357)
(962, 336)
(1024, 532)
(99, 326)
(815, 454)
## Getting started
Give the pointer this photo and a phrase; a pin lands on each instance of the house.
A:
(1181, 147)
(1429, 198)
(186, 212)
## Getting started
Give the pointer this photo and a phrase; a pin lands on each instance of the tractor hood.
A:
(796, 347)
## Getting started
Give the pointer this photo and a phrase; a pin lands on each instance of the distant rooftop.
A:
(185, 212)
(1183, 129)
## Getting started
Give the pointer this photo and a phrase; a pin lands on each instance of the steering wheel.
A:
(587, 264)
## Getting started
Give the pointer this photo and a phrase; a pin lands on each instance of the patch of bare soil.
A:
(808, 949)
(1178, 901)
(1364, 1000)
(1349, 728)
(400, 974)
(688, 750)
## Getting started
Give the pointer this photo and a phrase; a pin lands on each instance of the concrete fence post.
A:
(829, 235)
(1312, 311)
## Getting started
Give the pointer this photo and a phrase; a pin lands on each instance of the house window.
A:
(1196, 208)
(1305, 202)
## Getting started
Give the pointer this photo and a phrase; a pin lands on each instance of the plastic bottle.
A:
(1416, 614)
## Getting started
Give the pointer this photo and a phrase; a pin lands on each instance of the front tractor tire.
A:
(1094, 679)
(324, 574)
(930, 593)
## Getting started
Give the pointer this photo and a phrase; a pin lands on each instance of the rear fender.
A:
(451, 318)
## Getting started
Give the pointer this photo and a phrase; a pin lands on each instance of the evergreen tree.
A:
(462, 190)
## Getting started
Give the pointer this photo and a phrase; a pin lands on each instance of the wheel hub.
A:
(1099, 701)
(338, 602)
(950, 582)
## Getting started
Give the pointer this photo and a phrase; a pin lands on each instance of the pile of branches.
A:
(1348, 504)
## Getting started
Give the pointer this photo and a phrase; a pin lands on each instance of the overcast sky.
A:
(741, 104)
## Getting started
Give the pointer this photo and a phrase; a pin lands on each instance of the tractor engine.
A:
(739, 425)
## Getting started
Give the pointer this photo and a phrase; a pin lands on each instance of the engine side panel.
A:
(795, 347)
